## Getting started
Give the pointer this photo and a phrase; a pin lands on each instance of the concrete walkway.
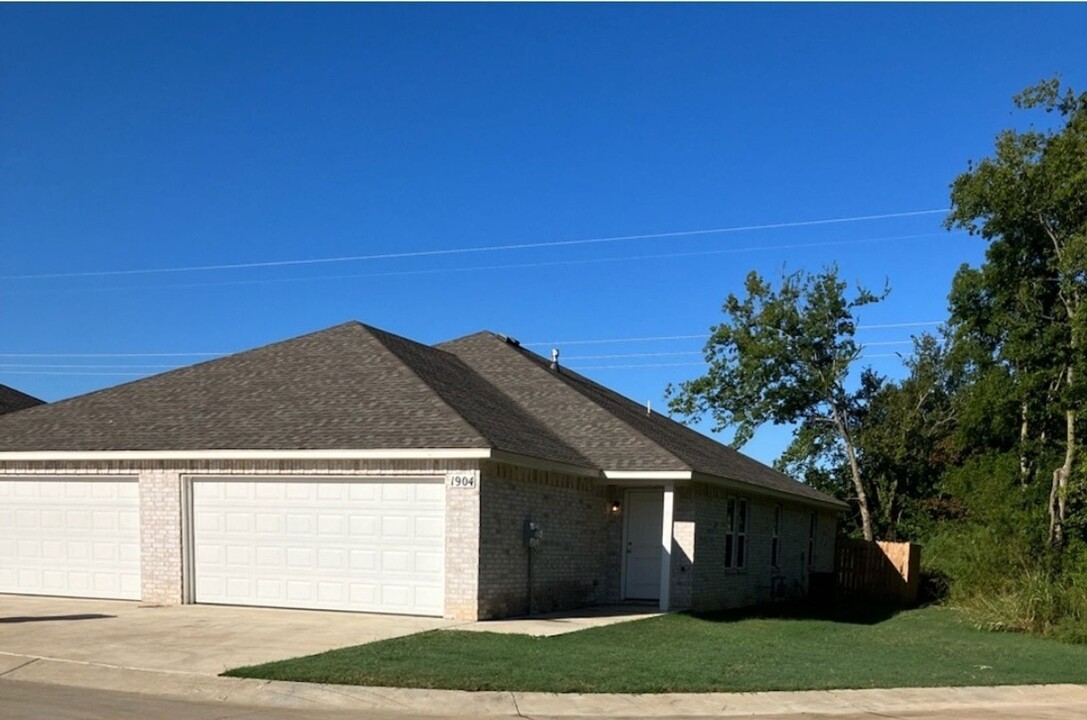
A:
(1071, 699)
(561, 623)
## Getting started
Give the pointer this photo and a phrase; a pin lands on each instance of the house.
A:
(353, 469)
(12, 400)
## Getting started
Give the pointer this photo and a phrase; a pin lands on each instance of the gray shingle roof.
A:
(613, 431)
(354, 387)
(12, 400)
(347, 387)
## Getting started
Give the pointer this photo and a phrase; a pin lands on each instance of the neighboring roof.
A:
(12, 400)
(348, 387)
(613, 431)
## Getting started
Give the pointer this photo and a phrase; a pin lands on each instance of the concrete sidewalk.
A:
(196, 686)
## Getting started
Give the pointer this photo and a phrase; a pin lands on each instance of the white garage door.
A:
(330, 545)
(74, 537)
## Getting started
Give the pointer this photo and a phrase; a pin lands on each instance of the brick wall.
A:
(715, 586)
(486, 565)
(570, 567)
(684, 531)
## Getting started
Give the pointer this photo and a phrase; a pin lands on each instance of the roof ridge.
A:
(184, 368)
(377, 334)
(540, 361)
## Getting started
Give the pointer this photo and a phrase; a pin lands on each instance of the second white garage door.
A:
(329, 545)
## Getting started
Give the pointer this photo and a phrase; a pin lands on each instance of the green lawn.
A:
(758, 650)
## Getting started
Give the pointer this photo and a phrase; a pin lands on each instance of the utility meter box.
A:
(533, 534)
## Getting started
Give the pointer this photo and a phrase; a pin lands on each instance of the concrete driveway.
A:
(202, 639)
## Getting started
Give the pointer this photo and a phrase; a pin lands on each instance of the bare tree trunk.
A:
(1025, 465)
(855, 470)
(1058, 493)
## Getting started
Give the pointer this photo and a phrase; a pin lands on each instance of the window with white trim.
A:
(735, 532)
(741, 533)
(775, 539)
(811, 539)
(730, 530)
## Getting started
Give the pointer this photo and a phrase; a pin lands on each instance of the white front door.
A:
(362, 545)
(77, 537)
(644, 522)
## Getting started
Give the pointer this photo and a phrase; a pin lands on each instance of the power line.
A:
(693, 364)
(657, 338)
(7, 366)
(567, 342)
(62, 372)
(699, 352)
(477, 249)
(109, 355)
(632, 355)
(477, 268)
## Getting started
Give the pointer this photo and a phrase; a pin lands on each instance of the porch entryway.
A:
(647, 545)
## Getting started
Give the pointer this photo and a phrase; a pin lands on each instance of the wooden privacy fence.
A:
(878, 571)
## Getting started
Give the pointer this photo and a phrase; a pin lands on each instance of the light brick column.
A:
(160, 537)
(683, 548)
(462, 550)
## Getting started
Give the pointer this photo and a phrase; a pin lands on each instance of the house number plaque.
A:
(461, 481)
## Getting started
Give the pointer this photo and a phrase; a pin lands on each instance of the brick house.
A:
(353, 469)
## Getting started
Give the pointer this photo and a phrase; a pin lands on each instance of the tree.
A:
(1027, 301)
(905, 437)
(783, 356)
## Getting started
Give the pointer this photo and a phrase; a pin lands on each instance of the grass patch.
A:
(776, 649)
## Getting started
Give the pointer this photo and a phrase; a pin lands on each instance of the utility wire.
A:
(568, 342)
(9, 366)
(699, 352)
(111, 355)
(477, 249)
(94, 370)
(79, 374)
(472, 268)
(692, 364)
(656, 338)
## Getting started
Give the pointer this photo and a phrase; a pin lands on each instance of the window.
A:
(741, 533)
(730, 530)
(811, 540)
(735, 532)
(775, 539)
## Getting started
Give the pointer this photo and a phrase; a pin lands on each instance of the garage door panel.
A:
(337, 545)
(74, 537)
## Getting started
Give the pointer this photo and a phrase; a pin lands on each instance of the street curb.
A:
(279, 694)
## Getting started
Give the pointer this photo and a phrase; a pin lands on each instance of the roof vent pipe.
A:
(554, 358)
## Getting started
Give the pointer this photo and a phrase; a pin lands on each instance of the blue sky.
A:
(151, 137)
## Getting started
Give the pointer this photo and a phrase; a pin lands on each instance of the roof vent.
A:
(508, 340)
(554, 358)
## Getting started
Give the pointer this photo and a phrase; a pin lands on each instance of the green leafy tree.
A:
(783, 356)
(905, 437)
(1026, 303)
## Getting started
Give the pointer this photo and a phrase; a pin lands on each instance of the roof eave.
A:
(756, 488)
(282, 454)
(247, 454)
